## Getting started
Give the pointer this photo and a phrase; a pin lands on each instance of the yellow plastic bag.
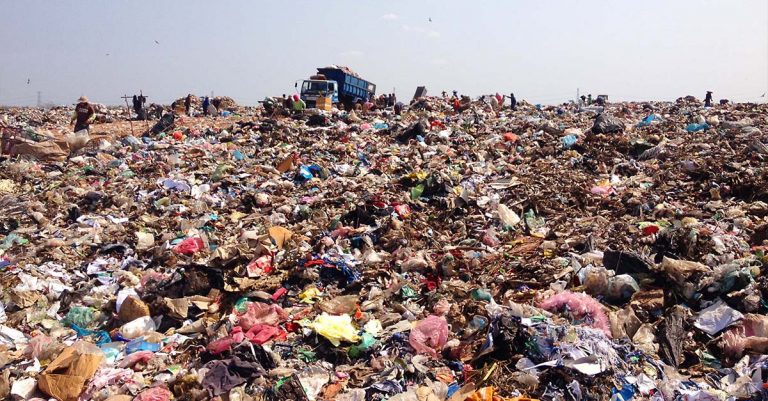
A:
(335, 328)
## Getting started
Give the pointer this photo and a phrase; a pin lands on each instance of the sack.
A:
(607, 124)
(47, 151)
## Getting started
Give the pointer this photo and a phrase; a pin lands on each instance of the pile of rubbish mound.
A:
(458, 251)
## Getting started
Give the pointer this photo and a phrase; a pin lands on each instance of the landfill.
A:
(459, 250)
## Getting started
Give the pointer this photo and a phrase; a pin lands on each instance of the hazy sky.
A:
(541, 50)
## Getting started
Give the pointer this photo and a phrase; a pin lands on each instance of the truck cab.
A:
(315, 87)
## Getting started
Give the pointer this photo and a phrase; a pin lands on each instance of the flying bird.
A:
(430, 19)
(27, 81)
(157, 43)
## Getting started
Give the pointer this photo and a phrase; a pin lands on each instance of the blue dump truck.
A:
(341, 84)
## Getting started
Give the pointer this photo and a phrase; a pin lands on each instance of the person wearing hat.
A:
(84, 114)
(298, 104)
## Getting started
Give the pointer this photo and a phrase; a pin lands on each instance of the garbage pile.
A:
(456, 252)
(196, 104)
(56, 117)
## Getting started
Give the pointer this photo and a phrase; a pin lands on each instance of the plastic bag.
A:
(648, 120)
(42, 347)
(693, 127)
(335, 328)
(139, 345)
(507, 216)
(489, 238)
(260, 266)
(137, 328)
(367, 342)
(80, 315)
(621, 287)
(607, 124)
(154, 394)
(568, 141)
(100, 336)
(122, 295)
(261, 313)
(345, 304)
(581, 306)
(136, 357)
(189, 246)
(429, 335)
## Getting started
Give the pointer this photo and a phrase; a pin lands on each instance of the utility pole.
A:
(211, 94)
(39, 99)
(578, 95)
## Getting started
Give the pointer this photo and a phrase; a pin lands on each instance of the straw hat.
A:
(83, 99)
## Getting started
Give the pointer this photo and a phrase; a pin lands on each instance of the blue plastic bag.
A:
(101, 336)
(140, 345)
(569, 141)
(693, 127)
(625, 394)
(648, 120)
(304, 173)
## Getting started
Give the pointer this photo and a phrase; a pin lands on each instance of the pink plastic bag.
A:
(216, 347)
(260, 266)
(402, 211)
(602, 190)
(136, 357)
(490, 238)
(261, 333)
(581, 306)
(261, 313)
(42, 347)
(189, 246)
(429, 335)
(154, 394)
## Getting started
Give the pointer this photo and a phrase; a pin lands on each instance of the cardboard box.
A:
(65, 378)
